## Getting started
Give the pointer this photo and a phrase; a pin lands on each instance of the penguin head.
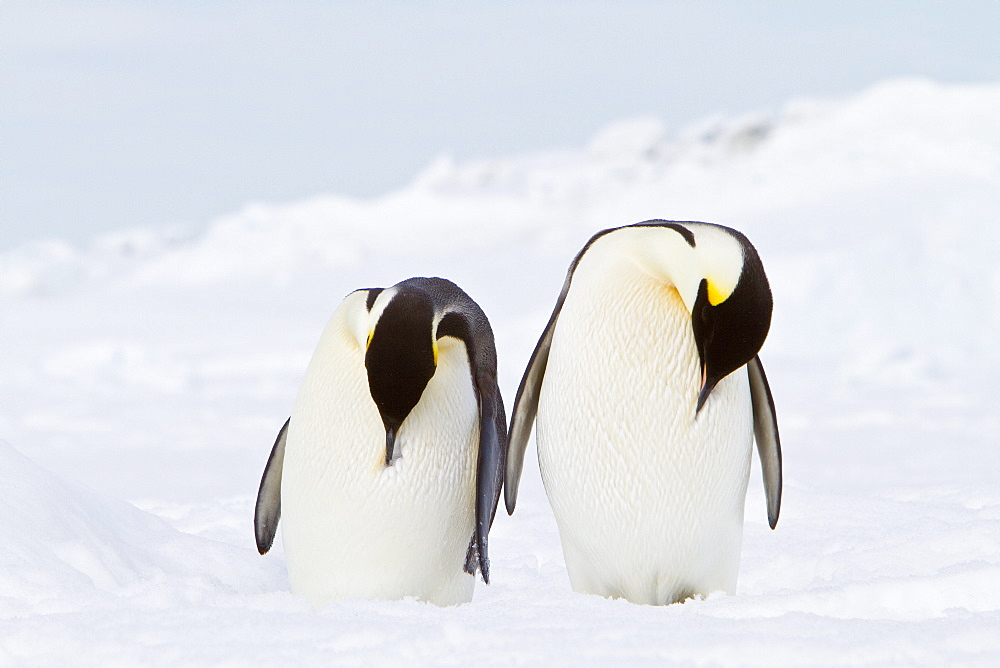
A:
(731, 308)
(720, 278)
(400, 354)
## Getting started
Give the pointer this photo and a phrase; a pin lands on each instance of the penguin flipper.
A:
(526, 401)
(523, 416)
(765, 429)
(489, 468)
(474, 331)
(268, 509)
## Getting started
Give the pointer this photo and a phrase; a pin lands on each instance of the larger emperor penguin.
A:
(388, 472)
(647, 393)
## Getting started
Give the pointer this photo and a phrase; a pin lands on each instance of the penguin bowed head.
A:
(400, 357)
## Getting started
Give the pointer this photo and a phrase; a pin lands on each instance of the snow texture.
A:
(145, 376)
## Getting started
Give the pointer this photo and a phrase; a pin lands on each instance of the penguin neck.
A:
(659, 254)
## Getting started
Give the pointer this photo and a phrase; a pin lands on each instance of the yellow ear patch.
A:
(435, 346)
(371, 333)
(715, 295)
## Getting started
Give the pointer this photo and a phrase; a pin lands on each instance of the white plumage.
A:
(617, 437)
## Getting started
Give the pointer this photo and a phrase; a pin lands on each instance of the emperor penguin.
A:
(647, 392)
(387, 474)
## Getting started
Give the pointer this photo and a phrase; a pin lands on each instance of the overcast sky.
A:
(114, 114)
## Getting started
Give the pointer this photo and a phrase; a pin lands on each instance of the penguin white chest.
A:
(648, 496)
(354, 527)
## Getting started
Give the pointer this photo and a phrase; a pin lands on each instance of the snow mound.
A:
(64, 546)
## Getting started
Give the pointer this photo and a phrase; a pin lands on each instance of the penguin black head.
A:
(401, 357)
(729, 330)
(399, 329)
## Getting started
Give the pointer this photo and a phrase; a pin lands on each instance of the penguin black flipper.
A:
(467, 322)
(523, 415)
(268, 509)
(489, 469)
(526, 402)
(765, 429)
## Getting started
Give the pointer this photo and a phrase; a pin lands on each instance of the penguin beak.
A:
(706, 389)
(390, 443)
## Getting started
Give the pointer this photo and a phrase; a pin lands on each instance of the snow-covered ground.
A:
(143, 378)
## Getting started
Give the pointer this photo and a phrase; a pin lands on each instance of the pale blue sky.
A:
(115, 114)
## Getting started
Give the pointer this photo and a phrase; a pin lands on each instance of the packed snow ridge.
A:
(898, 178)
(903, 132)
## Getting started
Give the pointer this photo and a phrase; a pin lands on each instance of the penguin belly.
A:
(648, 497)
(356, 528)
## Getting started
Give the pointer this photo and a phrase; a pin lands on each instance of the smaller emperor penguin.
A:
(647, 392)
(388, 472)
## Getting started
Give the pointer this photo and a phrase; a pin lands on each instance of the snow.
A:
(145, 375)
